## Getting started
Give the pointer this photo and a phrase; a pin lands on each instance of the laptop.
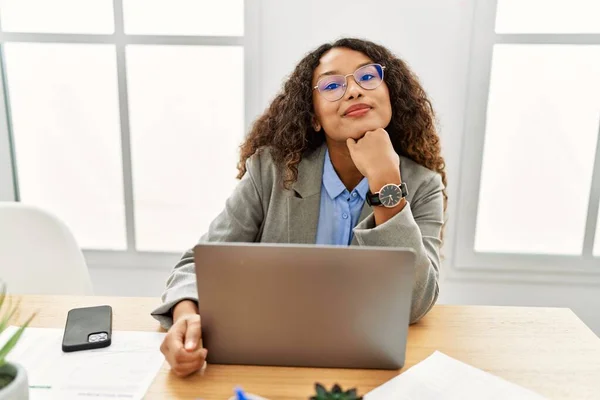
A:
(304, 305)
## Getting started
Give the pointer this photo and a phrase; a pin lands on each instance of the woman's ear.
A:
(316, 125)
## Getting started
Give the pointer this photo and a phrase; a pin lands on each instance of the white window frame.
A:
(8, 189)
(467, 263)
(250, 41)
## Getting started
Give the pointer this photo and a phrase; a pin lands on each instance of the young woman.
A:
(346, 154)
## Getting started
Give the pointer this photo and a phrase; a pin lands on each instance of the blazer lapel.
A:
(303, 219)
(304, 202)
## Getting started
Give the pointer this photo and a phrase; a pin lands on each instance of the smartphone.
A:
(88, 328)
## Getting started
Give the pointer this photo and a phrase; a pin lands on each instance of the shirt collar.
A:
(333, 184)
(362, 188)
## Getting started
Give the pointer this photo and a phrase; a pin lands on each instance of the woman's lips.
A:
(358, 112)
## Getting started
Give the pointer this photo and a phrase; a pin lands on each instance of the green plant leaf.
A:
(321, 391)
(12, 342)
(336, 393)
(12, 310)
(2, 295)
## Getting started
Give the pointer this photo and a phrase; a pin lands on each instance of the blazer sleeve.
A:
(239, 221)
(418, 226)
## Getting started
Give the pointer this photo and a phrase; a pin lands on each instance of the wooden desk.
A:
(548, 350)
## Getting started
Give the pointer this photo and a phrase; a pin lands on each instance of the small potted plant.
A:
(13, 378)
(336, 393)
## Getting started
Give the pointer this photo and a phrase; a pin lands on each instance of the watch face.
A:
(390, 195)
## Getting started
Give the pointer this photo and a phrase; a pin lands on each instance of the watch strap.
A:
(373, 199)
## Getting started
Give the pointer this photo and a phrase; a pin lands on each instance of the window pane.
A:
(184, 17)
(57, 16)
(541, 133)
(64, 108)
(548, 16)
(187, 121)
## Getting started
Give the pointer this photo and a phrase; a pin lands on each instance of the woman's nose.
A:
(353, 90)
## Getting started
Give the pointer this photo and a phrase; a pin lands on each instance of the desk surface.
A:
(548, 350)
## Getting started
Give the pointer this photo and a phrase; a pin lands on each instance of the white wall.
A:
(433, 36)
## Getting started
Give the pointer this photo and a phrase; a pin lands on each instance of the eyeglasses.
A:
(333, 87)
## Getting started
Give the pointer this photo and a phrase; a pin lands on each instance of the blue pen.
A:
(240, 394)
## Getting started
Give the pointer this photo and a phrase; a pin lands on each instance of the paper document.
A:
(124, 370)
(440, 377)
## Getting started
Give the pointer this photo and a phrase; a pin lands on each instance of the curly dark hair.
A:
(286, 126)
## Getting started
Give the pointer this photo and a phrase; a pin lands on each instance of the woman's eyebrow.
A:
(336, 72)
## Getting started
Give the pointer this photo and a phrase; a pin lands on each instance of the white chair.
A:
(38, 253)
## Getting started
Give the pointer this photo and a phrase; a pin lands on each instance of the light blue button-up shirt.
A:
(340, 209)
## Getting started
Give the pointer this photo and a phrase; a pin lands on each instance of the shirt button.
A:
(354, 194)
(345, 216)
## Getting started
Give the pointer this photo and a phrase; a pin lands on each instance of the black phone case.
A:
(83, 322)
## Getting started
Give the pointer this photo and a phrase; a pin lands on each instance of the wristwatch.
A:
(388, 196)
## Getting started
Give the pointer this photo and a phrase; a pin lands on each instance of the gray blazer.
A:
(261, 210)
